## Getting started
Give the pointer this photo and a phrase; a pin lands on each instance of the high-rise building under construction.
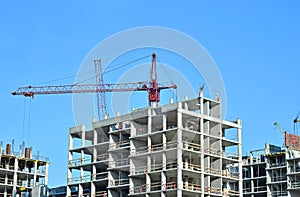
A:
(179, 149)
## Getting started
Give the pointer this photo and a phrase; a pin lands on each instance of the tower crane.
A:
(281, 131)
(152, 87)
(280, 128)
(296, 120)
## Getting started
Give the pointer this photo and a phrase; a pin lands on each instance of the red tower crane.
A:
(152, 87)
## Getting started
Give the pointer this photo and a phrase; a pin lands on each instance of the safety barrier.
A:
(87, 178)
(100, 194)
(6, 181)
(213, 151)
(139, 170)
(191, 187)
(119, 182)
(295, 185)
(119, 163)
(122, 144)
(212, 171)
(213, 190)
(190, 166)
(191, 146)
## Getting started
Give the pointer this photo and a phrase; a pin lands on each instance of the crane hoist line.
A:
(152, 87)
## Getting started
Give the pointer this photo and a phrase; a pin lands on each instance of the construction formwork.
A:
(22, 174)
(179, 149)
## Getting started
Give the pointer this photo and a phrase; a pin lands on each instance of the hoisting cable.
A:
(29, 119)
(24, 115)
(121, 65)
(174, 92)
(114, 67)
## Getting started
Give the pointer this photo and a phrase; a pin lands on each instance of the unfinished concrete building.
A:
(179, 149)
(272, 172)
(22, 174)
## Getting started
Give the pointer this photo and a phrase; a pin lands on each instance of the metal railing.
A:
(191, 186)
(213, 151)
(122, 144)
(89, 177)
(191, 166)
(119, 163)
(213, 190)
(101, 194)
(119, 182)
(212, 171)
(191, 146)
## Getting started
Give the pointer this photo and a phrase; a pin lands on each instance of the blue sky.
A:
(255, 45)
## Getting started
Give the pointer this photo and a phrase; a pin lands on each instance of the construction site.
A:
(183, 148)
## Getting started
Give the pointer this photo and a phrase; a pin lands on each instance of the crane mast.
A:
(152, 87)
(101, 100)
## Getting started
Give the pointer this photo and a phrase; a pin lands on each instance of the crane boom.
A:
(279, 128)
(31, 91)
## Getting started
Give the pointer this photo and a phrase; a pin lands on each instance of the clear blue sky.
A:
(255, 45)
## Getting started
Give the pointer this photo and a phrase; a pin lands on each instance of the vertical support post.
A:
(179, 150)
(239, 130)
(16, 165)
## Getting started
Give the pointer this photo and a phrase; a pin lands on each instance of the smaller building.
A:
(272, 171)
(22, 174)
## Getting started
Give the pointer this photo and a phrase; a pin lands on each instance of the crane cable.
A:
(24, 120)
(24, 116)
(174, 92)
(29, 121)
(113, 68)
(120, 65)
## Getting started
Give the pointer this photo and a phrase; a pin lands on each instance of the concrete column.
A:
(163, 182)
(164, 122)
(149, 121)
(5, 192)
(93, 189)
(179, 150)
(83, 138)
(251, 173)
(46, 176)
(16, 165)
(80, 190)
(70, 157)
(239, 130)
(35, 173)
(95, 137)
(148, 180)
(202, 151)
